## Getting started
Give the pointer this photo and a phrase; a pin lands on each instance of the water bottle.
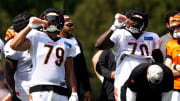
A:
(40, 21)
(122, 18)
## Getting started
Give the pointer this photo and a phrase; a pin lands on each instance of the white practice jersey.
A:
(49, 58)
(129, 52)
(1, 47)
(126, 44)
(78, 50)
(23, 72)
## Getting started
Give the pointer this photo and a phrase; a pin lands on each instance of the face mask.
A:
(52, 28)
(176, 34)
(133, 30)
(136, 28)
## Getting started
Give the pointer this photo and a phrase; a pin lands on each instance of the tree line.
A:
(90, 17)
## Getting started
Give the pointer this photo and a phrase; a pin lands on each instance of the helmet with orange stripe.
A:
(67, 18)
(175, 21)
(10, 33)
(53, 15)
(140, 20)
(175, 25)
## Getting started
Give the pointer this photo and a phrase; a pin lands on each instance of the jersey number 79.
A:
(59, 54)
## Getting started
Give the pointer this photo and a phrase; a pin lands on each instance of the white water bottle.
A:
(121, 18)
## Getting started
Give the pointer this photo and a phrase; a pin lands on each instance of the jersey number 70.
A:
(141, 47)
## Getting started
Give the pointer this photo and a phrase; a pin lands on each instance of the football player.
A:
(173, 55)
(80, 67)
(149, 82)
(51, 57)
(131, 45)
(168, 36)
(18, 64)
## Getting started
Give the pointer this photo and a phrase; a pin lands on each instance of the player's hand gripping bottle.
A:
(35, 22)
(121, 21)
(122, 18)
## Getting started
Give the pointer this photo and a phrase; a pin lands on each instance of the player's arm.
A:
(174, 67)
(70, 78)
(10, 68)
(94, 61)
(7, 98)
(104, 42)
(20, 42)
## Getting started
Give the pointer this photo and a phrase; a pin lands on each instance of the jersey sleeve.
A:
(31, 36)
(116, 39)
(10, 53)
(168, 49)
(78, 51)
(115, 36)
(71, 48)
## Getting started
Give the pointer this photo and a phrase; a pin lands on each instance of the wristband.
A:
(35, 25)
(113, 28)
(174, 67)
(30, 25)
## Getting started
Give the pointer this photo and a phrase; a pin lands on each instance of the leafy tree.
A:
(156, 10)
(4, 23)
(91, 19)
